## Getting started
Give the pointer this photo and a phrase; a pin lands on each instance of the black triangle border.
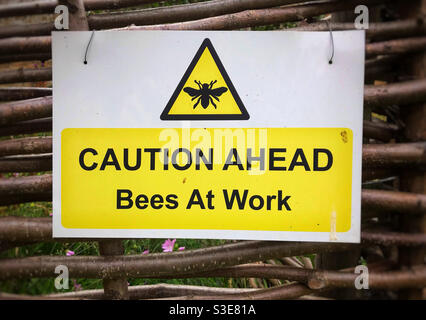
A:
(244, 114)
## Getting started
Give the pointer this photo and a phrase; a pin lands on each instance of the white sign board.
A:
(225, 135)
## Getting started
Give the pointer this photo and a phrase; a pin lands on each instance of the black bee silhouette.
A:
(205, 93)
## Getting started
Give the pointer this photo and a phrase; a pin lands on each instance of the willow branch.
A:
(394, 238)
(253, 18)
(398, 46)
(22, 45)
(31, 230)
(376, 30)
(401, 93)
(29, 145)
(162, 264)
(393, 201)
(25, 110)
(186, 12)
(26, 163)
(394, 154)
(235, 20)
(26, 185)
(25, 75)
(161, 290)
(22, 93)
(315, 280)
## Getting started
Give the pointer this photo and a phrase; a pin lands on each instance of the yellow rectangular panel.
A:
(261, 179)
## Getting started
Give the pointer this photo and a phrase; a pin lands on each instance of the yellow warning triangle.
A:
(205, 91)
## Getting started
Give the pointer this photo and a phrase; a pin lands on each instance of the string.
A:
(87, 48)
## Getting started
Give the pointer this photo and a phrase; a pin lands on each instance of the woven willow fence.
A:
(394, 156)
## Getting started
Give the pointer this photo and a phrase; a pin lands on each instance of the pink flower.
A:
(50, 214)
(70, 253)
(181, 248)
(77, 286)
(145, 252)
(168, 245)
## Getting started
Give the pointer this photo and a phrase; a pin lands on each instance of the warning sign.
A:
(241, 145)
(235, 179)
(205, 91)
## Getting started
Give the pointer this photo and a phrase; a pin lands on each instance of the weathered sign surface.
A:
(228, 135)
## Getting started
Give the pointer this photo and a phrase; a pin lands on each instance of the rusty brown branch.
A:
(394, 154)
(31, 145)
(315, 279)
(161, 290)
(48, 6)
(26, 30)
(33, 7)
(22, 93)
(25, 75)
(394, 238)
(414, 119)
(399, 46)
(318, 279)
(401, 93)
(25, 110)
(252, 18)
(376, 30)
(26, 163)
(186, 12)
(282, 292)
(20, 229)
(26, 185)
(394, 201)
(42, 44)
(236, 20)
(25, 230)
(392, 280)
(166, 14)
(114, 287)
(162, 264)
(22, 45)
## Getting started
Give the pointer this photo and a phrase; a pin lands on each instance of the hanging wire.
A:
(330, 61)
(88, 45)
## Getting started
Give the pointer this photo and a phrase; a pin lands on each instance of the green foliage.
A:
(39, 286)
